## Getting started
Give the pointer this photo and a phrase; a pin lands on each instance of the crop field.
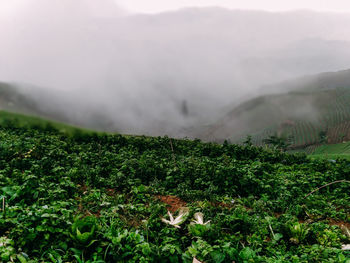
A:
(332, 151)
(85, 197)
(303, 133)
(332, 115)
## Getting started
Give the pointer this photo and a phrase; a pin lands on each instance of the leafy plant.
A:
(279, 142)
(198, 227)
(120, 186)
(298, 232)
(83, 230)
(328, 238)
(7, 250)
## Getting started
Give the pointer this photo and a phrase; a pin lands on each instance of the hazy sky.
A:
(135, 73)
(9, 8)
(153, 6)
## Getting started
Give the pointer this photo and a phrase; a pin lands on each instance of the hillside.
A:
(12, 99)
(105, 198)
(331, 151)
(11, 119)
(134, 71)
(314, 105)
(53, 105)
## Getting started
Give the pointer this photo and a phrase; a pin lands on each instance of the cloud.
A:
(155, 6)
(138, 70)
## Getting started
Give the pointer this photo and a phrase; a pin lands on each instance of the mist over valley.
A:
(99, 66)
(132, 131)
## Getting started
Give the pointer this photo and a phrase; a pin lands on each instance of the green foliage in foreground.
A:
(95, 198)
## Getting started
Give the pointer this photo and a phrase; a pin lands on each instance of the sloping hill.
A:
(12, 99)
(332, 151)
(10, 119)
(313, 105)
(112, 198)
(140, 68)
(53, 105)
(15, 98)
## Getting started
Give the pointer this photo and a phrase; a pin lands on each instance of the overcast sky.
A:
(154, 6)
(8, 8)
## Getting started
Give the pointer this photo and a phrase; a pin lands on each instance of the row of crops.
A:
(112, 198)
(332, 118)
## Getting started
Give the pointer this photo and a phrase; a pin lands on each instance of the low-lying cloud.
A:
(138, 71)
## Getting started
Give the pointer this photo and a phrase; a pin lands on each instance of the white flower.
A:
(345, 247)
(182, 216)
(196, 261)
(198, 219)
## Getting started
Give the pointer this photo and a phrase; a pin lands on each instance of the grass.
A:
(332, 151)
(10, 119)
(330, 156)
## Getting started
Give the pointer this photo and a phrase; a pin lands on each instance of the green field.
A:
(10, 119)
(90, 197)
(332, 151)
(330, 156)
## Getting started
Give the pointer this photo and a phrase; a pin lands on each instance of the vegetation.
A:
(332, 151)
(10, 119)
(278, 142)
(311, 116)
(87, 197)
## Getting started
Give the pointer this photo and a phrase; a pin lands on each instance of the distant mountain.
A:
(40, 102)
(138, 70)
(314, 104)
(323, 81)
(13, 100)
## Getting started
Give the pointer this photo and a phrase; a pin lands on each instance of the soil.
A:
(173, 202)
(339, 223)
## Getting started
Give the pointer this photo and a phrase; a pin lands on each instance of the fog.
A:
(105, 68)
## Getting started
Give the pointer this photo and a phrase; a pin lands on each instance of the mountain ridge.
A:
(311, 104)
(138, 70)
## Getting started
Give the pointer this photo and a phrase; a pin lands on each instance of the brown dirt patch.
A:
(173, 202)
(339, 223)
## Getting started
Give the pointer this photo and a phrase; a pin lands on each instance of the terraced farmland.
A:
(314, 112)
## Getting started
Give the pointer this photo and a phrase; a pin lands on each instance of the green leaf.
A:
(278, 236)
(247, 253)
(21, 258)
(217, 256)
